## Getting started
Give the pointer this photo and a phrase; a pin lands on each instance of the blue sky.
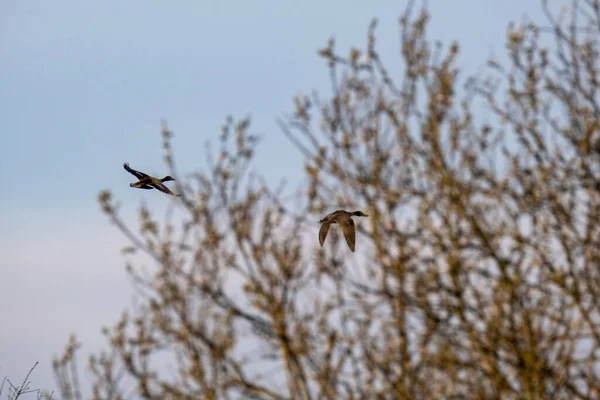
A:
(83, 87)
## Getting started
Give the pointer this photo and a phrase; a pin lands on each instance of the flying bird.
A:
(344, 219)
(149, 182)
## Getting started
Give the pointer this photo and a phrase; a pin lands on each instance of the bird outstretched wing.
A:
(137, 174)
(323, 232)
(349, 232)
(163, 188)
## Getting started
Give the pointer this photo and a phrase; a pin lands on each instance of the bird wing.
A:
(137, 174)
(162, 188)
(323, 232)
(349, 232)
(332, 217)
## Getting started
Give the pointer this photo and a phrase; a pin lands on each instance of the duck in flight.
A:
(149, 182)
(344, 219)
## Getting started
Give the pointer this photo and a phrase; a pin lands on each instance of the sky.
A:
(83, 88)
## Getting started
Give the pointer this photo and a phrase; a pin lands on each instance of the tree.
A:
(476, 275)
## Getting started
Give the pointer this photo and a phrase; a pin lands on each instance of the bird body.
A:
(344, 219)
(146, 181)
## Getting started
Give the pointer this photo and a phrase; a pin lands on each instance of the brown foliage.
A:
(477, 274)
